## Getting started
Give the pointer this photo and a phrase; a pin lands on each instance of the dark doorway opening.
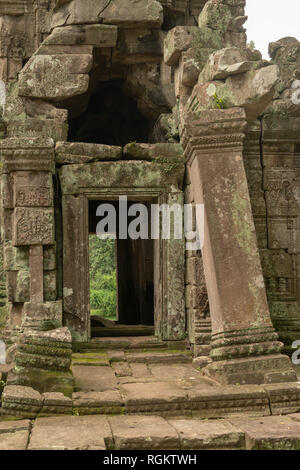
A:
(110, 118)
(132, 294)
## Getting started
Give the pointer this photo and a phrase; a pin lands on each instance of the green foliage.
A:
(219, 102)
(103, 284)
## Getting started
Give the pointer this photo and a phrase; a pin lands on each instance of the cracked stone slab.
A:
(143, 433)
(270, 433)
(70, 433)
(208, 435)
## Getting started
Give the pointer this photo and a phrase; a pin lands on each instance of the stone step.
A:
(122, 330)
(127, 343)
(202, 401)
(168, 399)
(151, 432)
(159, 357)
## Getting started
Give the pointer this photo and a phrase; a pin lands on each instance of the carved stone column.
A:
(28, 234)
(245, 348)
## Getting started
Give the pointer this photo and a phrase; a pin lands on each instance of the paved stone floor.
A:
(151, 432)
(111, 370)
(152, 388)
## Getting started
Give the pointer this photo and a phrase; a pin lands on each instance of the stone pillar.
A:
(28, 234)
(244, 345)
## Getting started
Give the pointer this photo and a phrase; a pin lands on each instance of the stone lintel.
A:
(98, 35)
(124, 175)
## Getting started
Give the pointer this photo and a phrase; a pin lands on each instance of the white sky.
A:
(270, 20)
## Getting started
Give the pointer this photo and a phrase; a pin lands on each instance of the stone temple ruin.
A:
(161, 101)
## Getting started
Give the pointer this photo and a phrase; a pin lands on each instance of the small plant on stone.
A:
(219, 102)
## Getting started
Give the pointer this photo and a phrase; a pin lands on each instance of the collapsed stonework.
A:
(222, 130)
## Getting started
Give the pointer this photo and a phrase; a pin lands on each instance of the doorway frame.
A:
(138, 180)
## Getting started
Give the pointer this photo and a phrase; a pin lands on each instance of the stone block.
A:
(89, 403)
(98, 35)
(158, 357)
(208, 435)
(165, 398)
(284, 398)
(216, 16)
(272, 433)
(143, 13)
(226, 401)
(143, 433)
(45, 316)
(43, 380)
(95, 379)
(21, 401)
(56, 403)
(138, 46)
(70, 63)
(55, 84)
(15, 258)
(67, 152)
(70, 433)
(179, 39)
(33, 226)
(226, 62)
(16, 440)
(189, 69)
(138, 151)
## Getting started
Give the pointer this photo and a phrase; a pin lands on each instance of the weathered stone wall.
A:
(272, 163)
(62, 49)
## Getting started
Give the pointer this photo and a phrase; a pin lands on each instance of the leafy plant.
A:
(103, 283)
(219, 102)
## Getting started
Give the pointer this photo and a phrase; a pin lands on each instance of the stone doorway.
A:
(83, 186)
(121, 278)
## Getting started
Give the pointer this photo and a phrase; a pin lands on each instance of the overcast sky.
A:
(270, 20)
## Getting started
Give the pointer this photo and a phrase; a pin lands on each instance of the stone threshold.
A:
(128, 343)
(164, 399)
